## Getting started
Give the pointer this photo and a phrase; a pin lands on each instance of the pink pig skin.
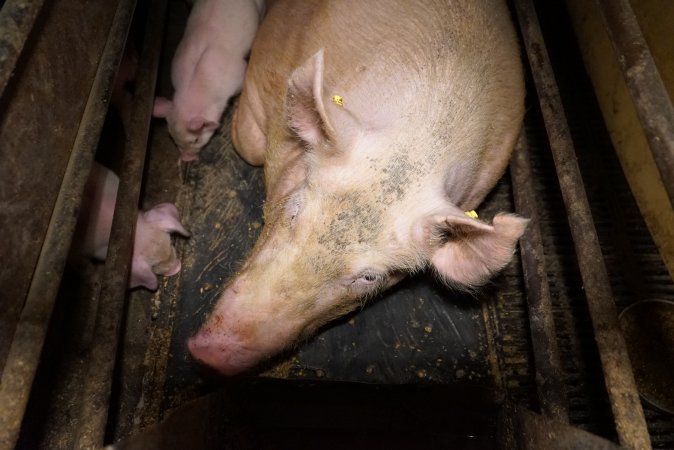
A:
(208, 69)
(379, 124)
(152, 250)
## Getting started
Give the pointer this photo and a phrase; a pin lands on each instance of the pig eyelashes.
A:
(369, 278)
(367, 283)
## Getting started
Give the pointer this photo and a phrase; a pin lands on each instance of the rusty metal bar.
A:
(549, 374)
(101, 363)
(625, 403)
(649, 95)
(24, 353)
(17, 18)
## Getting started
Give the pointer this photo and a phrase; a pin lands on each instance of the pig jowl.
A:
(378, 124)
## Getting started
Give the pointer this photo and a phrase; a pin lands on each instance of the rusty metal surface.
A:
(40, 112)
(520, 429)
(649, 95)
(649, 330)
(271, 414)
(97, 389)
(549, 373)
(24, 354)
(628, 413)
(17, 18)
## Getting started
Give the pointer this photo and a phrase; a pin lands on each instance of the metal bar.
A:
(24, 353)
(17, 18)
(626, 406)
(101, 363)
(549, 374)
(649, 95)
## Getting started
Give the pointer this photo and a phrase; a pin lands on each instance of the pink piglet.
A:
(153, 253)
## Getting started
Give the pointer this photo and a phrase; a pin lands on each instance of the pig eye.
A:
(369, 278)
(367, 282)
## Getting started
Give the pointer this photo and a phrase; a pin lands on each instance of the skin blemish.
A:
(357, 222)
(398, 174)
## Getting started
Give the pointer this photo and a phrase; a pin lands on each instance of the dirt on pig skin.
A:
(379, 126)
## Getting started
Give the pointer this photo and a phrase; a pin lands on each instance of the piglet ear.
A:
(304, 102)
(162, 107)
(166, 217)
(471, 250)
(142, 275)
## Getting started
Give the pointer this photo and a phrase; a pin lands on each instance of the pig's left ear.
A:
(166, 217)
(471, 250)
(306, 108)
(142, 275)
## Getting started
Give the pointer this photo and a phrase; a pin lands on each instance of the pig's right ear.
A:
(470, 250)
(305, 108)
(162, 107)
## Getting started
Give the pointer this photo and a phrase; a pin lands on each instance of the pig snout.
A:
(222, 351)
(234, 340)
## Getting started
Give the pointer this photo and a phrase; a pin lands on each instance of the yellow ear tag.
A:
(338, 100)
(472, 214)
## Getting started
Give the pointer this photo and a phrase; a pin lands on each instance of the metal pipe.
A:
(17, 18)
(549, 374)
(649, 95)
(619, 378)
(101, 362)
(24, 353)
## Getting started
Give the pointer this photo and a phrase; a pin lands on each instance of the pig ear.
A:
(166, 217)
(162, 107)
(473, 250)
(304, 101)
(142, 275)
